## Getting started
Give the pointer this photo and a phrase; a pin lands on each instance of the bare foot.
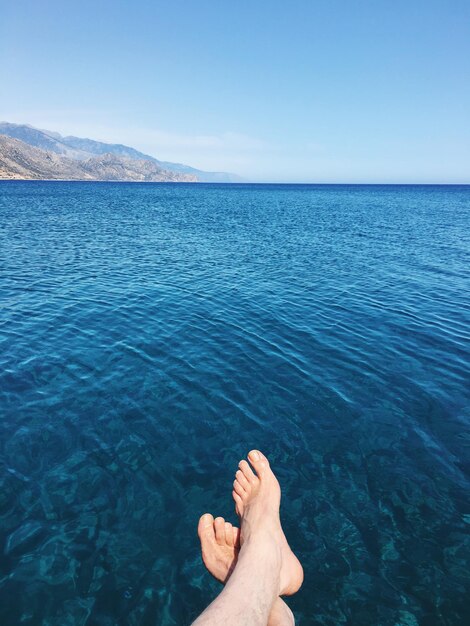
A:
(220, 545)
(257, 499)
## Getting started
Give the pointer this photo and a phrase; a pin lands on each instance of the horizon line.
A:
(169, 182)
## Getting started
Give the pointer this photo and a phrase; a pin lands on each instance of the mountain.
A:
(81, 149)
(19, 160)
(39, 139)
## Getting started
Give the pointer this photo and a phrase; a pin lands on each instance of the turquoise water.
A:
(152, 334)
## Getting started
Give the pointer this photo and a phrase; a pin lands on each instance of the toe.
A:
(239, 489)
(259, 461)
(238, 502)
(240, 476)
(205, 528)
(228, 534)
(247, 471)
(219, 525)
(236, 536)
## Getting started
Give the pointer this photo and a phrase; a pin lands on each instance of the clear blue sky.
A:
(307, 90)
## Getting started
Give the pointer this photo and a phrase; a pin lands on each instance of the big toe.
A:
(205, 528)
(259, 462)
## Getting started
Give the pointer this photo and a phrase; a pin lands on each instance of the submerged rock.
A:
(24, 537)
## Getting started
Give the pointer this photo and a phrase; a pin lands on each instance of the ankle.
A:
(264, 543)
(268, 530)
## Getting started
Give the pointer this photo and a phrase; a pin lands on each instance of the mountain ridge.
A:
(81, 149)
(21, 161)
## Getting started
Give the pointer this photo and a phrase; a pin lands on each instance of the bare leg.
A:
(251, 591)
(266, 567)
(220, 545)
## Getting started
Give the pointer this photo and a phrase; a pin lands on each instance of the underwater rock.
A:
(10, 484)
(73, 613)
(146, 609)
(24, 537)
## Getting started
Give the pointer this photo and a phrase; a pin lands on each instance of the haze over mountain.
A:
(82, 149)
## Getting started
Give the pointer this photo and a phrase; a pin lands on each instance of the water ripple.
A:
(151, 334)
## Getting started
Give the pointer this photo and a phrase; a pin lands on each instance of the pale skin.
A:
(255, 563)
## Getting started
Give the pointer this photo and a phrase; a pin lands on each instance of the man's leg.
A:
(220, 545)
(252, 589)
(266, 567)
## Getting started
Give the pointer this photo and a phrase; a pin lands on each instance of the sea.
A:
(152, 334)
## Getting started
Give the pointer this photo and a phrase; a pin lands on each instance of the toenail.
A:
(254, 454)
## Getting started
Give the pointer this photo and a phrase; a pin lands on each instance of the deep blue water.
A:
(152, 334)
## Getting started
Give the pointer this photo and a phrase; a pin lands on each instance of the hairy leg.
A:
(260, 576)
(252, 589)
(220, 545)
